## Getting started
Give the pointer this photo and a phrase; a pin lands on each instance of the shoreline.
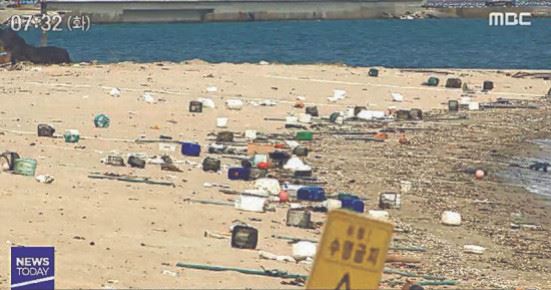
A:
(139, 231)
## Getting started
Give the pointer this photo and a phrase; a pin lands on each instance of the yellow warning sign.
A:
(352, 252)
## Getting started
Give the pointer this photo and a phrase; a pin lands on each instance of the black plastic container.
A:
(244, 237)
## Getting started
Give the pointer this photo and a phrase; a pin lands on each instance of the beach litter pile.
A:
(429, 172)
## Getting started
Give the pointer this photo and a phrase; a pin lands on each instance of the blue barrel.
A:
(191, 149)
(312, 193)
(239, 173)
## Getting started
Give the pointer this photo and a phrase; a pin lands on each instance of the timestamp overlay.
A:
(47, 23)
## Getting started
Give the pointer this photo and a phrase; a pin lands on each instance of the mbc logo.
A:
(509, 19)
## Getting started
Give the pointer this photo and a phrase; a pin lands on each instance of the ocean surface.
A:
(429, 43)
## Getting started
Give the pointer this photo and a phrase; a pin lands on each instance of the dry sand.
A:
(132, 232)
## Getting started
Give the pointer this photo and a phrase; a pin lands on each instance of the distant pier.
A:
(109, 11)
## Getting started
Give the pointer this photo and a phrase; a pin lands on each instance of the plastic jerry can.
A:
(195, 107)
(358, 205)
(402, 115)
(347, 199)
(101, 121)
(71, 136)
(299, 218)
(389, 200)
(453, 106)
(224, 136)
(211, 164)
(416, 114)
(239, 173)
(373, 72)
(136, 162)
(312, 193)
(304, 136)
(24, 166)
(45, 130)
(244, 237)
(488, 86)
(191, 149)
(433, 82)
(312, 111)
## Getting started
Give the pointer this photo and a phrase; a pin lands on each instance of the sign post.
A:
(352, 252)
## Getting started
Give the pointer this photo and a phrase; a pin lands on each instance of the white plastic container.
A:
(396, 97)
(167, 147)
(389, 200)
(291, 120)
(222, 122)
(332, 204)
(405, 186)
(234, 104)
(250, 134)
(303, 250)
(115, 92)
(340, 94)
(207, 103)
(270, 185)
(250, 203)
(212, 89)
(474, 106)
(370, 115)
(474, 249)
(305, 118)
(294, 163)
(451, 218)
(465, 100)
(292, 189)
(379, 214)
(349, 113)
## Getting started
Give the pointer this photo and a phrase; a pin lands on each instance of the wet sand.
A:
(120, 235)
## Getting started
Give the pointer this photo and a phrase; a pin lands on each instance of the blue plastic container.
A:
(191, 149)
(352, 202)
(347, 200)
(358, 206)
(311, 193)
(239, 173)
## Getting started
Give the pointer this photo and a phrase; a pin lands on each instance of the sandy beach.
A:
(111, 234)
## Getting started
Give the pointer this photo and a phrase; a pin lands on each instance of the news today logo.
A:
(509, 19)
(32, 268)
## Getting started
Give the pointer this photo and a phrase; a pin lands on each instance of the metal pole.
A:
(43, 33)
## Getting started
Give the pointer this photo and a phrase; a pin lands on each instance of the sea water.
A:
(535, 181)
(428, 43)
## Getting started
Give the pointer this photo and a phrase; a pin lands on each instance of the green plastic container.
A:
(433, 82)
(101, 121)
(71, 136)
(304, 136)
(373, 72)
(24, 166)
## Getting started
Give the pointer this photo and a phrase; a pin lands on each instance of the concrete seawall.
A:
(259, 10)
